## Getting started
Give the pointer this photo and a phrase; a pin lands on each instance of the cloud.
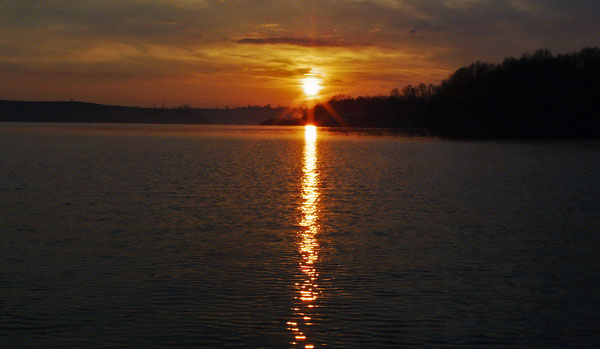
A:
(307, 42)
(366, 44)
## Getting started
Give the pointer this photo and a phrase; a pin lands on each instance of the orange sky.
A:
(215, 53)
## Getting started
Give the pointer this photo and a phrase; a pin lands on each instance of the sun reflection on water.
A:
(307, 287)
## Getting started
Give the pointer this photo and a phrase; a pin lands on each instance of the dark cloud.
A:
(507, 24)
(308, 42)
(279, 73)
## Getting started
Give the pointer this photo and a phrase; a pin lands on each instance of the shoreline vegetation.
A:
(71, 111)
(539, 95)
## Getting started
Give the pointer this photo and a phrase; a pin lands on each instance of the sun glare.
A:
(310, 133)
(311, 86)
(307, 288)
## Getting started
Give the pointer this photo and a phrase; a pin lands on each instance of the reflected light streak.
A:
(307, 289)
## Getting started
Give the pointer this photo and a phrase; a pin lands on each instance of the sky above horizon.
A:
(213, 53)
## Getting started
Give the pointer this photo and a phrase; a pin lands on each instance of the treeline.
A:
(539, 95)
(25, 111)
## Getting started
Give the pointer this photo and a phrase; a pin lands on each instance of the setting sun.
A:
(311, 86)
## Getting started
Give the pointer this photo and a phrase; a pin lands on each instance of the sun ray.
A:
(334, 113)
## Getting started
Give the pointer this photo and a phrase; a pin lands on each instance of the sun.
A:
(311, 86)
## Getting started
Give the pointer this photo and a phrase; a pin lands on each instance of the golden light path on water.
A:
(307, 289)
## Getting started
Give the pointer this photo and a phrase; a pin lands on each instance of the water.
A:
(213, 236)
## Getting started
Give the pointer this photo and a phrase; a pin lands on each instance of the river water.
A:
(237, 236)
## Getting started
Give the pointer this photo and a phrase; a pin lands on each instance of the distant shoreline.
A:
(85, 112)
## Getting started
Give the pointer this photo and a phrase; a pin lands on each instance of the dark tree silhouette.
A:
(536, 96)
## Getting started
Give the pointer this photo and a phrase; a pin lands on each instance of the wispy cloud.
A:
(307, 42)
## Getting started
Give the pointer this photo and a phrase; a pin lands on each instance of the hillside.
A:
(24, 111)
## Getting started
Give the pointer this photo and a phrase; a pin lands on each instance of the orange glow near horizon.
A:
(307, 287)
(296, 76)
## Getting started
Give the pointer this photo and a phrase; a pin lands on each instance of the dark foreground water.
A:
(208, 236)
